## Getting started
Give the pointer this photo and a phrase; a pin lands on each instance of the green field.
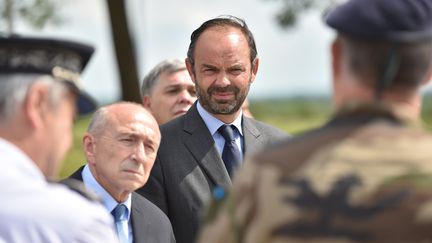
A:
(75, 157)
(292, 115)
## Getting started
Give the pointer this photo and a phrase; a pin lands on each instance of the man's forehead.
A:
(127, 112)
(235, 46)
(137, 124)
(217, 33)
(180, 77)
(140, 131)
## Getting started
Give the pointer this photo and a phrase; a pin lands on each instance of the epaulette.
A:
(79, 187)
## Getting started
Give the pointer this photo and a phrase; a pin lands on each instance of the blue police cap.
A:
(64, 60)
(403, 21)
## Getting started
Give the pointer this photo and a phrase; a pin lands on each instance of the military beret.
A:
(403, 21)
(64, 60)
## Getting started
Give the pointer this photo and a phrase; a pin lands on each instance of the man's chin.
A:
(225, 109)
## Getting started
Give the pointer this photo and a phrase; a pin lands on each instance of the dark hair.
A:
(368, 60)
(226, 20)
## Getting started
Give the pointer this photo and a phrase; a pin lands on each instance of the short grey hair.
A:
(98, 121)
(152, 78)
(14, 89)
(100, 117)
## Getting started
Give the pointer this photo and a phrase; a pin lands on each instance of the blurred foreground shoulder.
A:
(53, 213)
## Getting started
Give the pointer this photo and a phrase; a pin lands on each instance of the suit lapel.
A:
(200, 143)
(252, 135)
(140, 227)
(77, 175)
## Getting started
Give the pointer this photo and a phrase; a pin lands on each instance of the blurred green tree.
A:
(290, 10)
(35, 13)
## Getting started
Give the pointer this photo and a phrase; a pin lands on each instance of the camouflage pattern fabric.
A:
(364, 177)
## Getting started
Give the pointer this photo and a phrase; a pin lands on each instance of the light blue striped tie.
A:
(119, 213)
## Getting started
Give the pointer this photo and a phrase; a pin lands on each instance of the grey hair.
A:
(14, 89)
(152, 78)
(100, 117)
(98, 121)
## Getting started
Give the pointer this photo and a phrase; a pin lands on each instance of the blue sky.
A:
(292, 62)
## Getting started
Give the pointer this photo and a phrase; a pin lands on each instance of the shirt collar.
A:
(213, 123)
(109, 202)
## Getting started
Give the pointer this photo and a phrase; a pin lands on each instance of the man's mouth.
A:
(223, 95)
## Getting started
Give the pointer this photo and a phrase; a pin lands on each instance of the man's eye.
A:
(236, 71)
(149, 147)
(172, 91)
(209, 71)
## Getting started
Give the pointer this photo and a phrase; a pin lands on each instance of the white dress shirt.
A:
(213, 125)
(33, 210)
(109, 202)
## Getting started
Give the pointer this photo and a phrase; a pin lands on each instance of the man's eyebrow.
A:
(151, 141)
(236, 66)
(209, 66)
(173, 86)
(128, 134)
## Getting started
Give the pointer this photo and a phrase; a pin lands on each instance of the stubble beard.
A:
(223, 107)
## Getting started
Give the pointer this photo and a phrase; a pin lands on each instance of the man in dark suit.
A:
(120, 147)
(201, 150)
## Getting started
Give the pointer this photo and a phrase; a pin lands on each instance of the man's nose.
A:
(186, 97)
(222, 80)
(139, 153)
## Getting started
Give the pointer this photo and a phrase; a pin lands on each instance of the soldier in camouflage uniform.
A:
(365, 176)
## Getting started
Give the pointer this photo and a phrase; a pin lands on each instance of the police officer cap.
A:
(64, 60)
(402, 21)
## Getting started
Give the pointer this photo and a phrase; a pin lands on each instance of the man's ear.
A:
(146, 101)
(89, 146)
(254, 67)
(36, 104)
(190, 69)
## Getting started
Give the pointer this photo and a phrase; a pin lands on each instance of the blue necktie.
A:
(231, 154)
(120, 219)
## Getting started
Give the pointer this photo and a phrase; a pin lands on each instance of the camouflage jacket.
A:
(363, 177)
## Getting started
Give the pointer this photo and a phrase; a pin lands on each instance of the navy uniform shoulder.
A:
(79, 187)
